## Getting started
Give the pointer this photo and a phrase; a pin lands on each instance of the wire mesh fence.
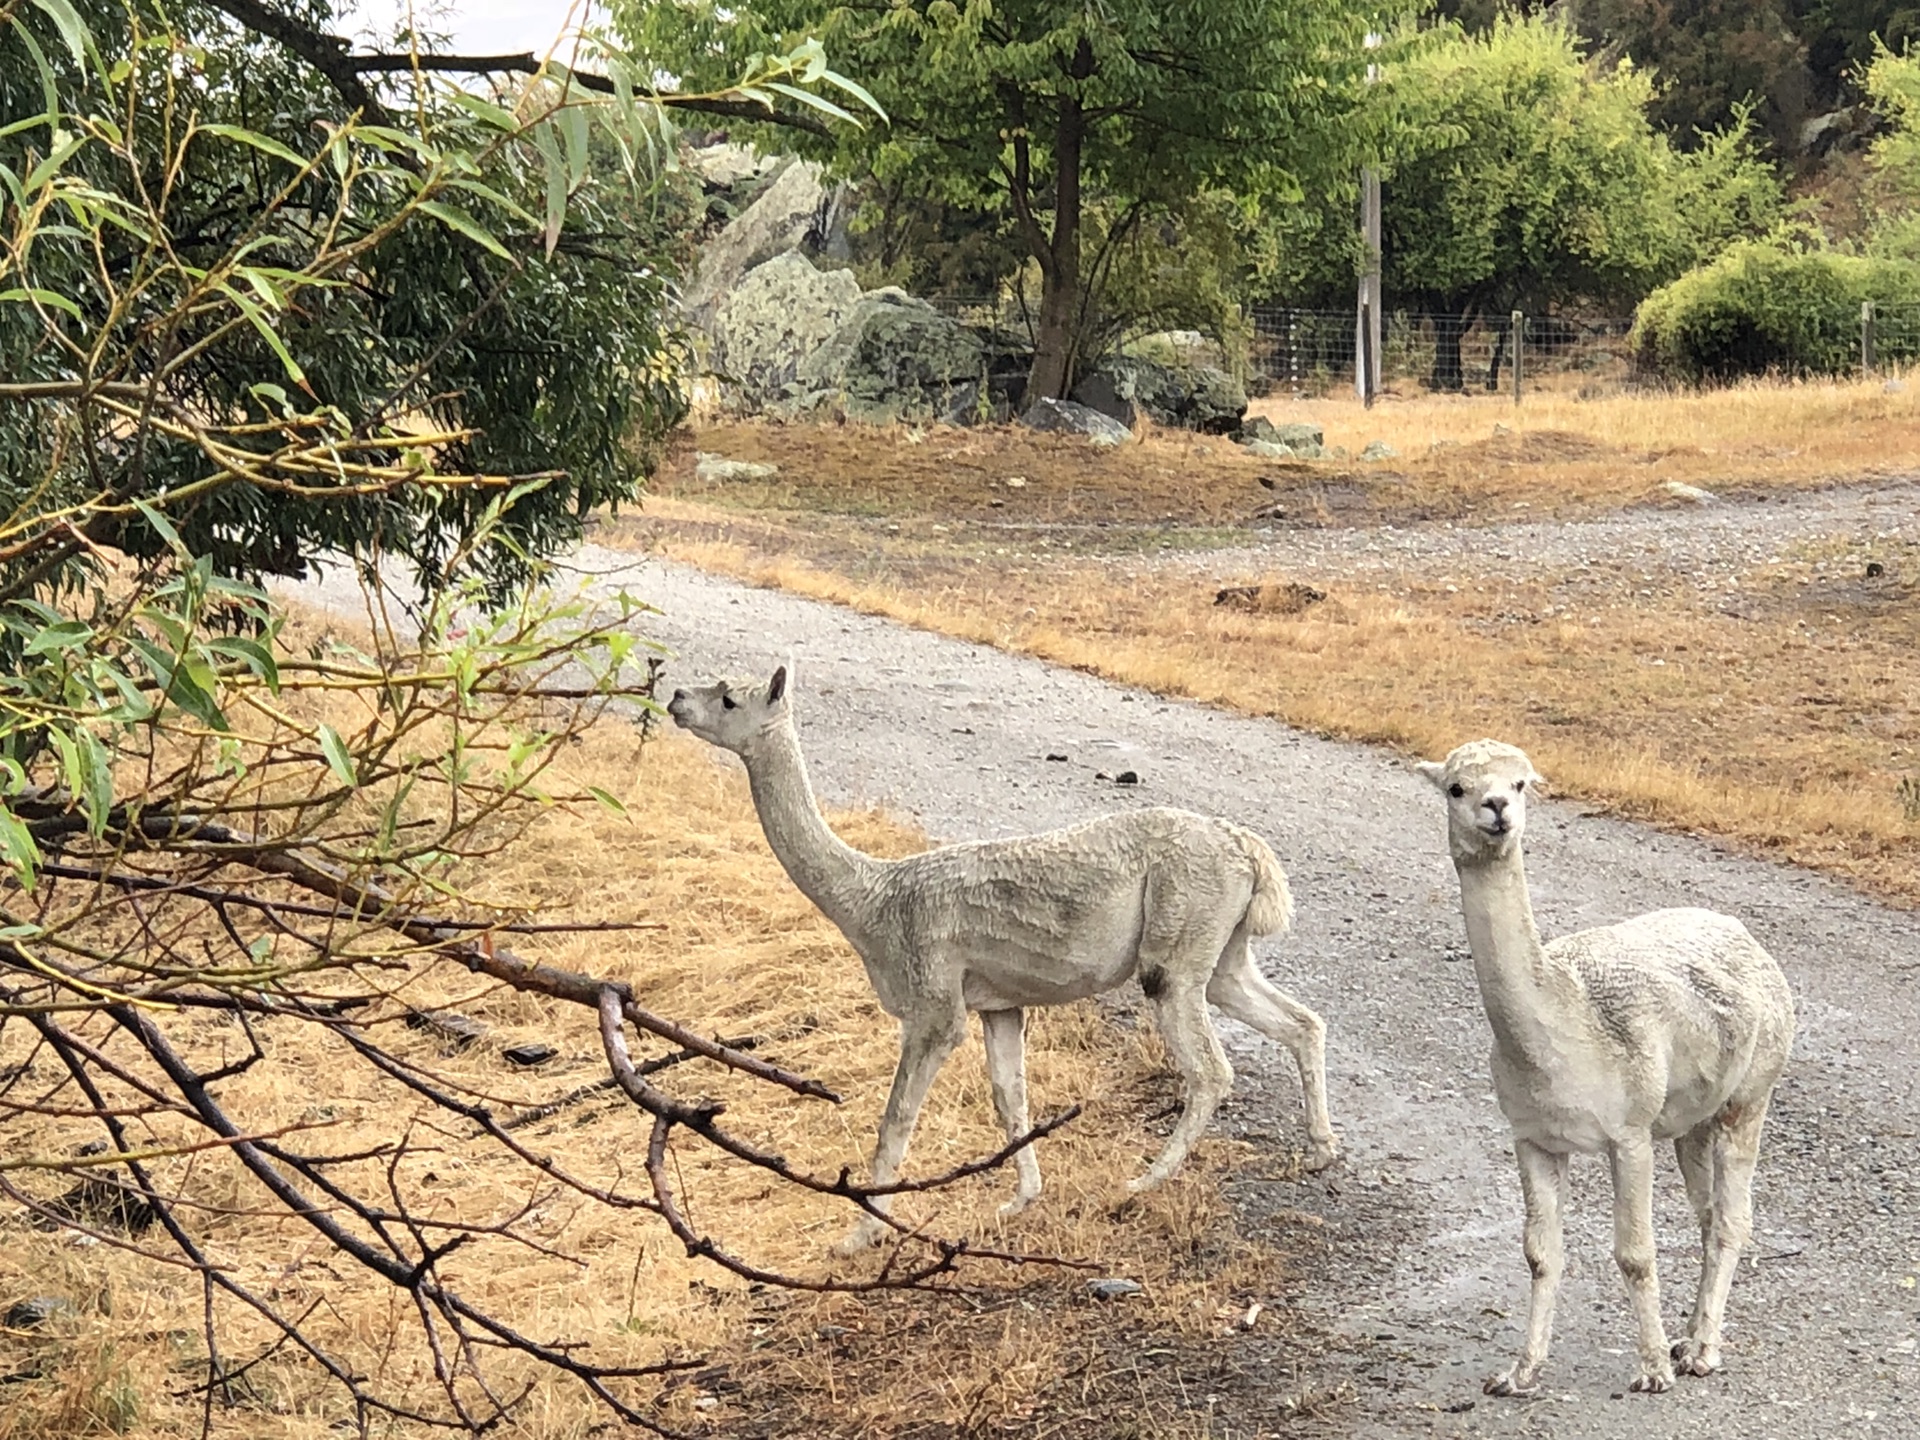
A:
(1313, 351)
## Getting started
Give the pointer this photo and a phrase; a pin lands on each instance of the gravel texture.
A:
(1423, 1261)
(1421, 1277)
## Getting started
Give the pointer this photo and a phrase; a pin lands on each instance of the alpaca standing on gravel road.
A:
(998, 925)
(1673, 1026)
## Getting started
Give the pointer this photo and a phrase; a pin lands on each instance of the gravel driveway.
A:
(1422, 1271)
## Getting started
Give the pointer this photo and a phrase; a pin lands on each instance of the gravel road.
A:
(1422, 1276)
(1423, 1270)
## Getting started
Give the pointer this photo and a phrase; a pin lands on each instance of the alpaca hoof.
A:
(1017, 1204)
(1654, 1382)
(1695, 1357)
(862, 1238)
(1320, 1155)
(1144, 1183)
(1506, 1385)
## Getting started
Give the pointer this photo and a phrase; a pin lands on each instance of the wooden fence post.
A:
(1866, 339)
(1517, 329)
(1364, 360)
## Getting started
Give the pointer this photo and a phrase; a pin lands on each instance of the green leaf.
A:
(162, 527)
(459, 220)
(35, 295)
(251, 653)
(257, 318)
(794, 92)
(609, 801)
(856, 90)
(17, 848)
(487, 111)
(73, 31)
(187, 683)
(258, 141)
(556, 185)
(62, 635)
(338, 760)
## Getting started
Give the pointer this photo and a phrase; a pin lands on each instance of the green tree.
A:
(1032, 111)
(1518, 174)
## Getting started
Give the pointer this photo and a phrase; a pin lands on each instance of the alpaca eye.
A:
(1456, 791)
(727, 701)
(1519, 784)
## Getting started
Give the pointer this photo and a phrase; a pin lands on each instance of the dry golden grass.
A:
(1788, 722)
(1458, 456)
(740, 953)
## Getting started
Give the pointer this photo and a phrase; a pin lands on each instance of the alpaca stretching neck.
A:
(1524, 993)
(827, 870)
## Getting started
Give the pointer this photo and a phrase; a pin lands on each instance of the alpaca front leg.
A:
(925, 1043)
(1005, 1035)
(1734, 1136)
(1633, 1250)
(1543, 1187)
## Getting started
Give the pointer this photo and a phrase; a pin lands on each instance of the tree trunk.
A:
(1499, 356)
(1448, 374)
(1055, 338)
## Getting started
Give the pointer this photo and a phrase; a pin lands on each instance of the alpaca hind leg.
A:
(1633, 1250)
(1543, 1186)
(1005, 1034)
(1240, 990)
(926, 1040)
(1694, 1151)
(1736, 1149)
(1180, 1010)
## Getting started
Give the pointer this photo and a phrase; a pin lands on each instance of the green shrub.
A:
(1771, 306)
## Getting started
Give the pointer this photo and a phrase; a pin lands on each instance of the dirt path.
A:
(1422, 1270)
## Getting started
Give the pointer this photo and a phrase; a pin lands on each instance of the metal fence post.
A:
(1517, 328)
(1866, 339)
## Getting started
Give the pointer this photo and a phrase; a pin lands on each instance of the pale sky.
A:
(478, 27)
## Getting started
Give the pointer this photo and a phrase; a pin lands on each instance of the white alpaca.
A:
(1673, 1026)
(999, 925)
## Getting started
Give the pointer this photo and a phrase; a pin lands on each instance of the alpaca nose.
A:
(678, 695)
(1497, 804)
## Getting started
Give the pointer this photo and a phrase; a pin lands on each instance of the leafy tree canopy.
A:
(1518, 173)
(1031, 110)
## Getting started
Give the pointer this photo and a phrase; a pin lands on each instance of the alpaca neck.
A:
(827, 870)
(1526, 996)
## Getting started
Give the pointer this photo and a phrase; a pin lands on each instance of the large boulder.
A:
(794, 210)
(893, 358)
(1065, 417)
(1193, 397)
(777, 316)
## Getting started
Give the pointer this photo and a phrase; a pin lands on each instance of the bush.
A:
(1769, 306)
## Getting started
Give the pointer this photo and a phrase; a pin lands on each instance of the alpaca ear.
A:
(1434, 771)
(1537, 783)
(777, 687)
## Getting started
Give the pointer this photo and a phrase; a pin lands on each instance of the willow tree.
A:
(1034, 111)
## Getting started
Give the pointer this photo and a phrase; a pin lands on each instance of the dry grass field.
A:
(738, 952)
(1768, 697)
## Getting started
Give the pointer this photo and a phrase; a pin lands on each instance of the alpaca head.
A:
(1486, 784)
(730, 714)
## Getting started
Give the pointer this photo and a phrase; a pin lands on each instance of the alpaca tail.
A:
(1271, 909)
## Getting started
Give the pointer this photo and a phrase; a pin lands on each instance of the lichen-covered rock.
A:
(1069, 418)
(1378, 450)
(893, 358)
(1179, 348)
(1294, 440)
(794, 208)
(1194, 397)
(779, 314)
(719, 469)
